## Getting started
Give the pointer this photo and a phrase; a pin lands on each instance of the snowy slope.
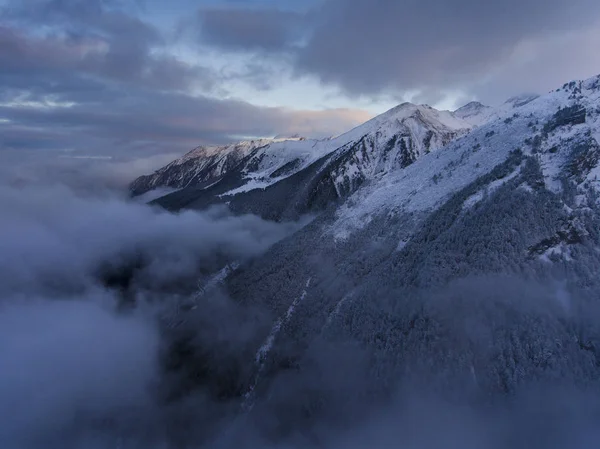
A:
(474, 113)
(200, 165)
(561, 130)
(408, 131)
(453, 264)
(391, 140)
(478, 114)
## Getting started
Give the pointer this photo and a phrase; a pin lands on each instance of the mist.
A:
(54, 241)
(70, 361)
(89, 281)
(110, 338)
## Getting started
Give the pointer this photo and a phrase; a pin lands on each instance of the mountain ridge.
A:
(393, 139)
(288, 155)
(467, 272)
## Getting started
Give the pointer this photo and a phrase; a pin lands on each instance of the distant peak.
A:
(474, 113)
(289, 137)
(405, 109)
(405, 105)
(472, 106)
(521, 100)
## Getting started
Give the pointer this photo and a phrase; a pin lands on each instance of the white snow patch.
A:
(212, 184)
(474, 199)
(489, 189)
(402, 244)
(336, 311)
(526, 187)
(265, 349)
(562, 250)
(216, 279)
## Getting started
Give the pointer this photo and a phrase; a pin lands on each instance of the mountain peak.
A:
(296, 136)
(472, 106)
(521, 100)
(474, 113)
(405, 107)
(421, 112)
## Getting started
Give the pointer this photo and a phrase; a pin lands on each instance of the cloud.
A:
(90, 39)
(367, 46)
(271, 30)
(430, 49)
(542, 63)
(95, 78)
(63, 359)
(79, 172)
(145, 121)
(57, 241)
(79, 367)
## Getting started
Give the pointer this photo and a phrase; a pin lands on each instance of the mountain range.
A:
(455, 252)
(329, 169)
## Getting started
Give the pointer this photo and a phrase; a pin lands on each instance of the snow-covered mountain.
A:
(475, 113)
(559, 131)
(453, 253)
(409, 160)
(198, 166)
(478, 114)
(392, 140)
(517, 197)
(331, 169)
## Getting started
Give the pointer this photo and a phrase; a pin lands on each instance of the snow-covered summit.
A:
(561, 130)
(415, 129)
(423, 114)
(478, 114)
(282, 137)
(521, 100)
(204, 164)
(474, 113)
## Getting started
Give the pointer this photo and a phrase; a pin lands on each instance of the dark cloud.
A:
(367, 46)
(124, 56)
(142, 121)
(69, 357)
(91, 76)
(83, 369)
(251, 29)
(435, 46)
(72, 70)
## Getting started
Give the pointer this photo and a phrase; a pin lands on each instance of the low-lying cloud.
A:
(84, 173)
(80, 372)
(105, 343)
(53, 237)
(87, 284)
(69, 360)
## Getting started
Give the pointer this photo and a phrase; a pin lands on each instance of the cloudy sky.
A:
(131, 79)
